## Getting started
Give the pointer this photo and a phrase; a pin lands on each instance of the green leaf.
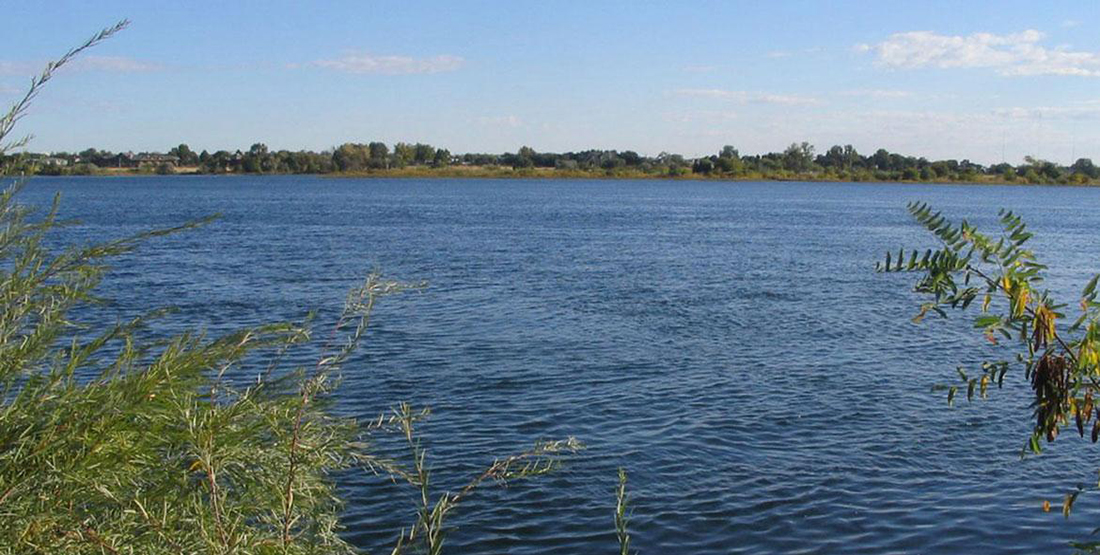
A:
(962, 373)
(1067, 505)
(986, 321)
(1036, 447)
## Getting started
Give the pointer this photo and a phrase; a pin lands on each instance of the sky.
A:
(984, 81)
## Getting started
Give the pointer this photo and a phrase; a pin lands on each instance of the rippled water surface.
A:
(727, 343)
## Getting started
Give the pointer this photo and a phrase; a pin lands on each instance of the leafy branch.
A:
(1060, 361)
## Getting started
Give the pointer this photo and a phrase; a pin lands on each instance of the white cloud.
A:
(17, 68)
(114, 64)
(694, 116)
(501, 121)
(392, 65)
(745, 97)
(700, 69)
(1086, 111)
(878, 93)
(1014, 54)
(776, 54)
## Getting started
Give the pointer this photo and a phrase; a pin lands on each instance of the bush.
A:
(117, 440)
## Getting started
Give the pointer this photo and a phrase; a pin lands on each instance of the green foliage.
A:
(428, 533)
(1060, 359)
(622, 515)
(422, 160)
(112, 442)
(115, 445)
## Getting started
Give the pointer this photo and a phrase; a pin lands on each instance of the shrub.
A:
(113, 440)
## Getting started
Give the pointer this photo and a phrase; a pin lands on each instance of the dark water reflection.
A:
(727, 343)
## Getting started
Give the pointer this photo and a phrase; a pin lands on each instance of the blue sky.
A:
(980, 80)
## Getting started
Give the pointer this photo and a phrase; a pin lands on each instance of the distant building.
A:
(131, 160)
(156, 159)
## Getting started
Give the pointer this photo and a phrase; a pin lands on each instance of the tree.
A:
(423, 153)
(378, 155)
(442, 158)
(1061, 360)
(186, 155)
(799, 157)
(833, 158)
(703, 166)
(350, 157)
(403, 154)
(1086, 167)
(881, 159)
(524, 158)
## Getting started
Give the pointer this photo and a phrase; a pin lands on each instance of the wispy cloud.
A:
(112, 64)
(1014, 54)
(878, 93)
(1087, 111)
(115, 64)
(746, 97)
(776, 54)
(709, 116)
(392, 65)
(8, 67)
(500, 121)
(700, 69)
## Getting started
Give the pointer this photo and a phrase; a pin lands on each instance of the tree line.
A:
(799, 161)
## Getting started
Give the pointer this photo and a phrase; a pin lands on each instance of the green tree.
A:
(703, 166)
(403, 154)
(442, 158)
(1086, 167)
(378, 155)
(525, 158)
(798, 157)
(186, 155)
(350, 157)
(423, 154)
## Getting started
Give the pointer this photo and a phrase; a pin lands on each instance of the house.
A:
(131, 160)
(155, 159)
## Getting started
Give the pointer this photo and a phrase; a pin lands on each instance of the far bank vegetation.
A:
(798, 162)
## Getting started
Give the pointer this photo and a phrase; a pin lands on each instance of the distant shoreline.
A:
(505, 173)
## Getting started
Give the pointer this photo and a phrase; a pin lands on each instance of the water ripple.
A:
(727, 343)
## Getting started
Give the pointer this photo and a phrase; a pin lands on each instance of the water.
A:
(728, 344)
